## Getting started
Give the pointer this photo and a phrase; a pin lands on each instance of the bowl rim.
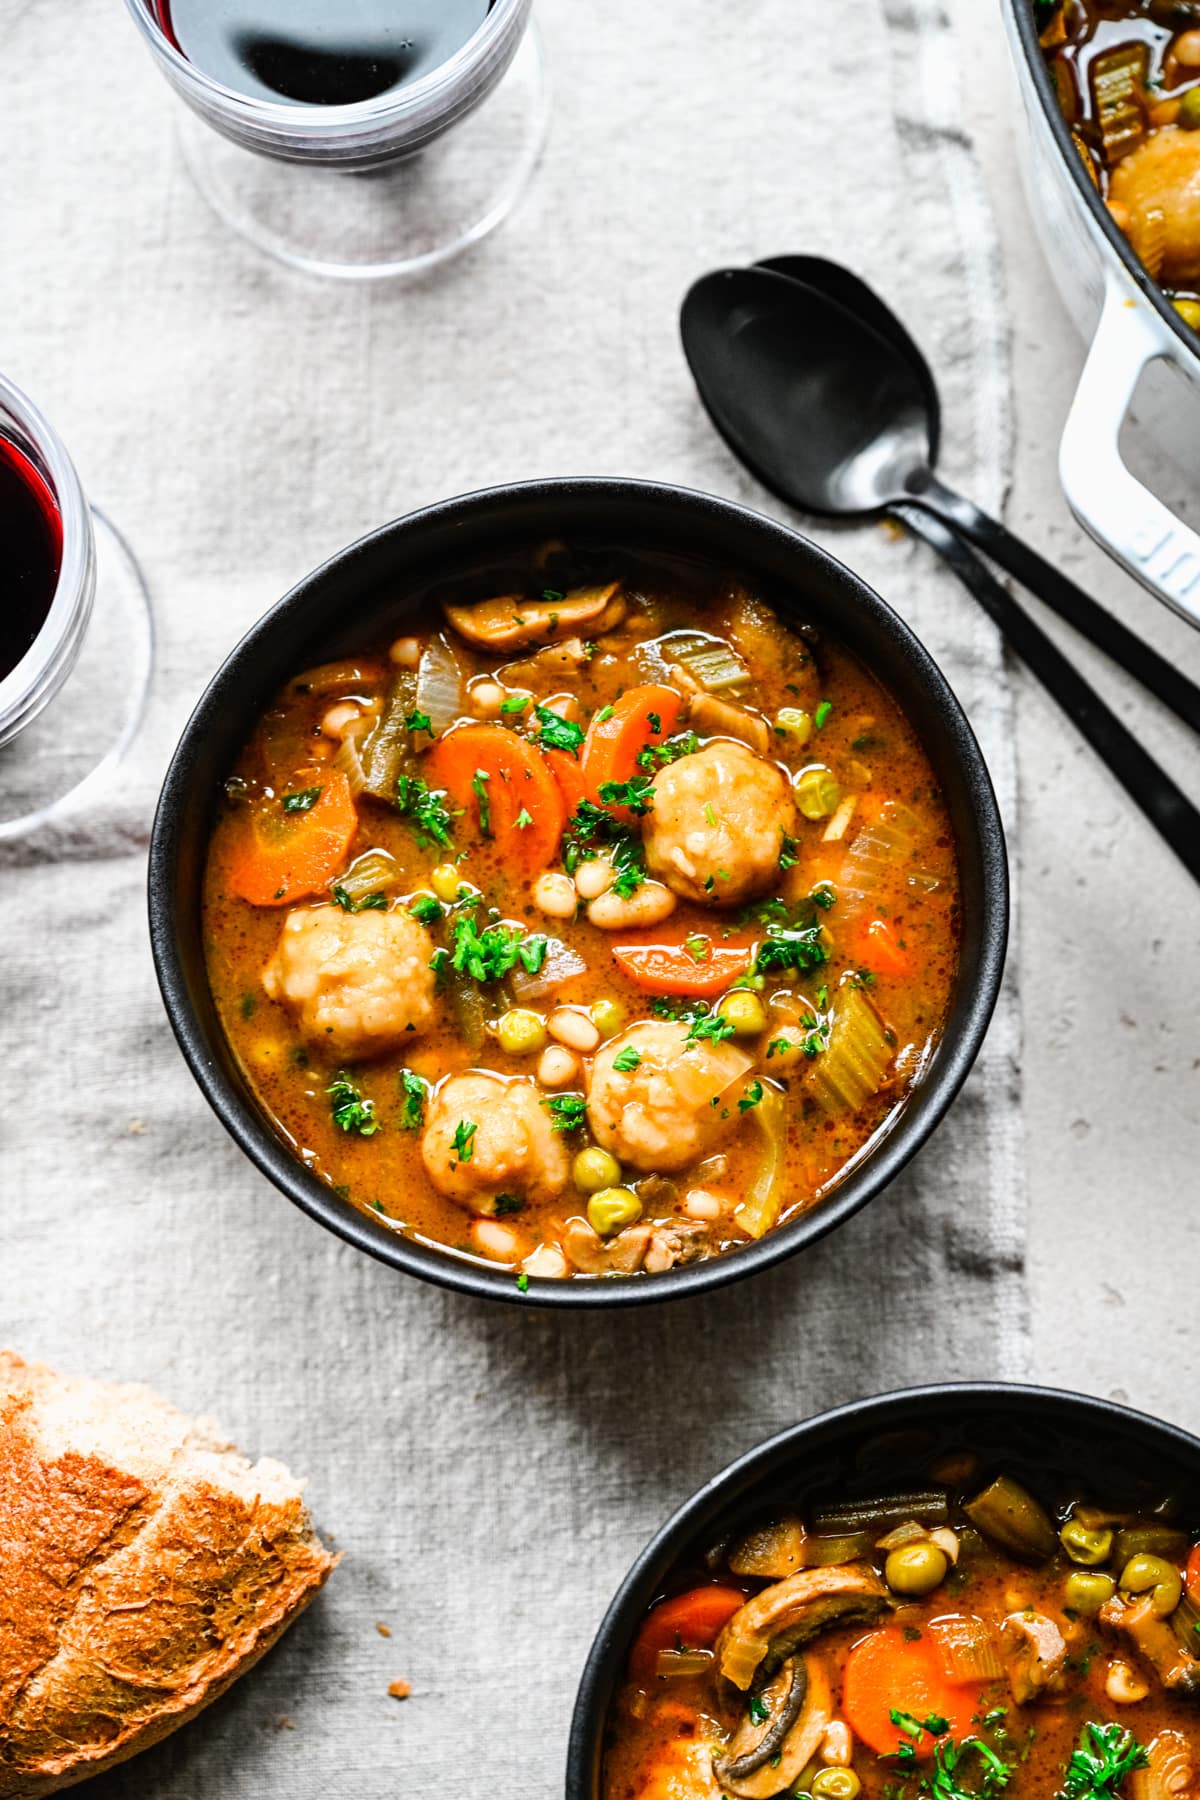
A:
(1093, 203)
(949, 1067)
(598, 1679)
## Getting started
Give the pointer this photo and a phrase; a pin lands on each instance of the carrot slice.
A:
(887, 1672)
(498, 777)
(284, 855)
(876, 949)
(1193, 1576)
(690, 1621)
(569, 776)
(674, 969)
(643, 715)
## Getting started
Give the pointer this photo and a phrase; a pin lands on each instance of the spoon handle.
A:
(1090, 619)
(1164, 804)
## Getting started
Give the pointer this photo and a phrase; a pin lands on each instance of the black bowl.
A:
(344, 601)
(1051, 1435)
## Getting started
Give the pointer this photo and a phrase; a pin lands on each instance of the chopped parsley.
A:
(820, 717)
(634, 794)
(425, 807)
(606, 712)
(944, 1779)
(655, 724)
(248, 1006)
(302, 801)
(592, 829)
(516, 703)
(791, 947)
(507, 1204)
(710, 815)
(1106, 1755)
(787, 852)
(479, 787)
(662, 1007)
(553, 594)
(350, 1111)
(778, 1047)
(713, 1026)
(419, 721)
(523, 820)
(425, 909)
(414, 1091)
(626, 1060)
(376, 902)
(556, 733)
(522, 1283)
(493, 953)
(698, 947)
(567, 1111)
(751, 1097)
(657, 756)
(461, 1143)
(760, 1709)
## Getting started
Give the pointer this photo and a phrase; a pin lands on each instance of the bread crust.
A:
(144, 1566)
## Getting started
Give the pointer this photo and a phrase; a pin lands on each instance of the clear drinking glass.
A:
(389, 186)
(71, 706)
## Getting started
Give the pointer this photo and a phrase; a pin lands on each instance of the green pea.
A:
(817, 791)
(1084, 1546)
(1189, 110)
(1189, 310)
(916, 1569)
(613, 1208)
(745, 1012)
(521, 1032)
(608, 1016)
(793, 722)
(1085, 1594)
(1155, 1576)
(594, 1170)
(836, 1784)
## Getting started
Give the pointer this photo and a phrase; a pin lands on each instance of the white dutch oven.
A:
(1137, 331)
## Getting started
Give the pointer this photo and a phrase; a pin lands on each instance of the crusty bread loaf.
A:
(144, 1565)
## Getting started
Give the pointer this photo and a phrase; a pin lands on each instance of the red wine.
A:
(319, 52)
(30, 554)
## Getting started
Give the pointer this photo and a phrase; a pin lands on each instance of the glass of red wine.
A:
(76, 638)
(355, 138)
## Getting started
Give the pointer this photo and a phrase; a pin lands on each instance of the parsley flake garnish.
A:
(751, 1097)
(376, 902)
(302, 801)
(425, 909)
(1106, 1755)
(626, 1060)
(516, 703)
(712, 1026)
(425, 807)
(634, 794)
(567, 1111)
(556, 733)
(351, 1112)
(479, 787)
(419, 721)
(491, 954)
(414, 1091)
(461, 1143)
(822, 714)
(507, 1204)
(523, 820)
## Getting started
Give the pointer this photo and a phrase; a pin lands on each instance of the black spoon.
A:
(1089, 618)
(831, 416)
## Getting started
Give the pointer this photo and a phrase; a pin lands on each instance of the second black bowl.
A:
(347, 601)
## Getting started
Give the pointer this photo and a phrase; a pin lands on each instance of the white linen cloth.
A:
(489, 1473)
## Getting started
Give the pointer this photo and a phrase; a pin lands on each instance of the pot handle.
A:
(1122, 515)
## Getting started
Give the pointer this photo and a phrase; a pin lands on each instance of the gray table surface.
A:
(1110, 928)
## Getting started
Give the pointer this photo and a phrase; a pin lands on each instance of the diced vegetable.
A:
(676, 969)
(764, 1197)
(887, 1673)
(708, 661)
(876, 948)
(1193, 1575)
(387, 748)
(375, 873)
(881, 1512)
(505, 786)
(466, 1005)
(774, 1551)
(967, 1648)
(560, 965)
(1148, 1538)
(1118, 79)
(1009, 1515)
(287, 853)
(439, 693)
(672, 1664)
(818, 793)
(824, 1552)
(857, 1056)
(690, 1621)
(643, 716)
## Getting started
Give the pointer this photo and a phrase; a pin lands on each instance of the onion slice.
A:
(439, 685)
(560, 964)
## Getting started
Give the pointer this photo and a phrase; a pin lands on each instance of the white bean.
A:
(487, 697)
(338, 718)
(554, 894)
(574, 1029)
(557, 1067)
(547, 1263)
(1123, 1687)
(651, 904)
(837, 1746)
(702, 1205)
(406, 652)
(594, 878)
(500, 1242)
(1187, 49)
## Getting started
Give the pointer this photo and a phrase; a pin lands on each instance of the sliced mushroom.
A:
(780, 1735)
(513, 621)
(720, 718)
(1153, 1637)
(674, 1243)
(1169, 1773)
(1035, 1651)
(591, 1255)
(765, 1632)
